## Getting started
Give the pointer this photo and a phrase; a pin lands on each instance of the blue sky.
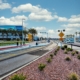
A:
(43, 15)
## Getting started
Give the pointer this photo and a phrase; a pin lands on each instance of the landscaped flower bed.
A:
(59, 67)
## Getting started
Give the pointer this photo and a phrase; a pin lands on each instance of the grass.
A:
(73, 76)
(4, 43)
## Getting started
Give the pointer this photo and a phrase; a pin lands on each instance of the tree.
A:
(25, 32)
(79, 34)
(33, 32)
(76, 34)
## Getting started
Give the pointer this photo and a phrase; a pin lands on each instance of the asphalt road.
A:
(11, 64)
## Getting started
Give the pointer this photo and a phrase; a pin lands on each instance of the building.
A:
(10, 32)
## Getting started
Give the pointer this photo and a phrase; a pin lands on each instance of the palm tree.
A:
(67, 36)
(33, 32)
(25, 32)
(3, 32)
(76, 34)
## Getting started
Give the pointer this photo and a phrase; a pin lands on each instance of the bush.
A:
(66, 52)
(18, 77)
(73, 53)
(51, 55)
(71, 49)
(73, 76)
(76, 52)
(41, 66)
(55, 53)
(65, 46)
(67, 59)
(49, 60)
(58, 48)
(62, 48)
(78, 56)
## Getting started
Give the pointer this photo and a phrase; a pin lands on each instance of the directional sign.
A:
(69, 40)
(61, 34)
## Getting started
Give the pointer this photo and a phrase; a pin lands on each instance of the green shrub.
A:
(58, 48)
(41, 66)
(48, 60)
(73, 53)
(76, 52)
(55, 50)
(69, 49)
(51, 55)
(62, 48)
(55, 53)
(66, 52)
(78, 56)
(18, 77)
(67, 59)
(73, 76)
(65, 46)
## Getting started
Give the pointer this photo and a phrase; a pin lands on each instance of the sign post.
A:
(61, 34)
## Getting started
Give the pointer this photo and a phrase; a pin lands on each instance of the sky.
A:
(43, 15)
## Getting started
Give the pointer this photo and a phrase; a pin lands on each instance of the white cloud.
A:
(49, 35)
(50, 31)
(74, 25)
(74, 19)
(4, 5)
(62, 19)
(36, 12)
(30, 8)
(39, 17)
(16, 20)
(40, 28)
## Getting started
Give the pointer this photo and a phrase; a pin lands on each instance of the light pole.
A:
(45, 33)
(22, 32)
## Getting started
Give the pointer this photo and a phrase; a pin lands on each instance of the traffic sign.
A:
(61, 34)
(61, 39)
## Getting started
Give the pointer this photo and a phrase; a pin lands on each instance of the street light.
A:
(22, 32)
(45, 33)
